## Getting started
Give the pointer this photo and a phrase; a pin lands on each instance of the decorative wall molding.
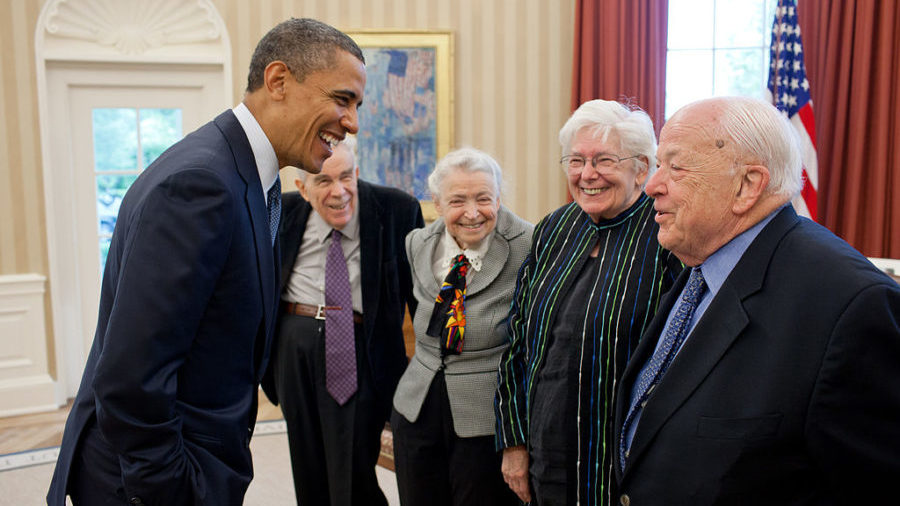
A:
(25, 385)
(146, 30)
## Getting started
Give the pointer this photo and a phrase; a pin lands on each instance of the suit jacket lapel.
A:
(370, 243)
(259, 220)
(423, 252)
(718, 328)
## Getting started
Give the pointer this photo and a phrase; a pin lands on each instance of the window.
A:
(125, 142)
(717, 47)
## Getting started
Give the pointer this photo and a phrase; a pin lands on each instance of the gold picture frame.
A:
(416, 69)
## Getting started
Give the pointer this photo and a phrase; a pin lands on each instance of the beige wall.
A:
(23, 239)
(512, 75)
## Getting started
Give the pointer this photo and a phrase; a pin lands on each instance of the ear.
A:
(275, 78)
(641, 176)
(753, 183)
(437, 206)
(301, 188)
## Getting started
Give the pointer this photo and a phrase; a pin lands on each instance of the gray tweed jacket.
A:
(471, 376)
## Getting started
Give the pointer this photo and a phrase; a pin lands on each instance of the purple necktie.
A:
(340, 347)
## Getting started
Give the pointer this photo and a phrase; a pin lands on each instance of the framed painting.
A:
(405, 123)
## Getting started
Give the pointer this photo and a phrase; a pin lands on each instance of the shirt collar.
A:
(263, 152)
(474, 255)
(719, 265)
(322, 229)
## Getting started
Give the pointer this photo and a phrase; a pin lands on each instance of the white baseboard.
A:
(25, 382)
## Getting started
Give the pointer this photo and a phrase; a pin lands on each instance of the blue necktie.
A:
(273, 203)
(664, 354)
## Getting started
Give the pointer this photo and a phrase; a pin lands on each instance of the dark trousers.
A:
(435, 467)
(334, 449)
(95, 478)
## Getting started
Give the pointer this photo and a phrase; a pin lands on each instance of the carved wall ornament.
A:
(133, 26)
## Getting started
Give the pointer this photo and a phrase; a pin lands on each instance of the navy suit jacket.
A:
(386, 215)
(187, 311)
(787, 392)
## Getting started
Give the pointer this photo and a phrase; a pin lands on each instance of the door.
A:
(118, 122)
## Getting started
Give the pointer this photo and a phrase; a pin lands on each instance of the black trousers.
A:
(435, 467)
(334, 449)
(96, 478)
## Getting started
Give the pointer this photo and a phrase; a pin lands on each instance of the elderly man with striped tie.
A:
(770, 373)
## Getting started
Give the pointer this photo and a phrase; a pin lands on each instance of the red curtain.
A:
(853, 65)
(620, 53)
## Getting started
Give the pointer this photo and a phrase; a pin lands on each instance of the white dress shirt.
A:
(307, 281)
(447, 249)
(263, 152)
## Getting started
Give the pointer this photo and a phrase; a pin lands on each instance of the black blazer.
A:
(187, 311)
(786, 392)
(386, 215)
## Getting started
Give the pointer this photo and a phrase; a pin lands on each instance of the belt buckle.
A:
(320, 312)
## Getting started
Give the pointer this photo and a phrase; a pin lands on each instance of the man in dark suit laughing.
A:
(168, 399)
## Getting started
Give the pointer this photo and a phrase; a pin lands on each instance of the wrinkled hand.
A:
(515, 471)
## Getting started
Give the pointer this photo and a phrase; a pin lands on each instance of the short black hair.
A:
(305, 45)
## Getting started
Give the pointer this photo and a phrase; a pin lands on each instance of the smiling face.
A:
(332, 192)
(604, 196)
(694, 188)
(468, 203)
(319, 112)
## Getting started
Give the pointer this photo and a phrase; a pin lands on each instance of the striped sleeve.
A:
(510, 402)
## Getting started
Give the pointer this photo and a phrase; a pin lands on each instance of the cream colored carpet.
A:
(24, 477)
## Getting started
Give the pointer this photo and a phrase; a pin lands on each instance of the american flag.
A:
(789, 90)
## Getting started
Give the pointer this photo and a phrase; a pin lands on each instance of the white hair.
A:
(468, 160)
(630, 124)
(762, 134)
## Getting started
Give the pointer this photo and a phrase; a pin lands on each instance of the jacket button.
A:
(136, 501)
(624, 500)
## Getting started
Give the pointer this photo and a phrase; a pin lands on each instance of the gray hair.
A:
(304, 45)
(762, 134)
(632, 125)
(468, 160)
(348, 142)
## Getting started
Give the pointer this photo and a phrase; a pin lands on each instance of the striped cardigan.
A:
(634, 272)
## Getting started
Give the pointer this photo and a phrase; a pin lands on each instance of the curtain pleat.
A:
(853, 59)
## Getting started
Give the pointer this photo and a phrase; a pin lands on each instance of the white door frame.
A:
(177, 46)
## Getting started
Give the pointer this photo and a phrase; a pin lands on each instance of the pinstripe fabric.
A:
(634, 272)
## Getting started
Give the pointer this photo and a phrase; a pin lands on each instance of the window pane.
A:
(739, 71)
(690, 24)
(769, 19)
(110, 191)
(740, 23)
(115, 139)
(104, 252)
(160, 128)
(689, 77)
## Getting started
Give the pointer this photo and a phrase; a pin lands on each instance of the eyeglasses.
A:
(600, 161)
